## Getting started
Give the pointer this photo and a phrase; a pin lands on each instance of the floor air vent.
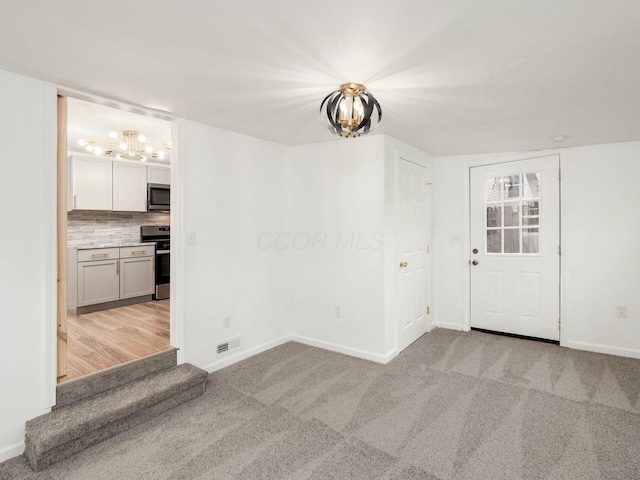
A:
(228, 345)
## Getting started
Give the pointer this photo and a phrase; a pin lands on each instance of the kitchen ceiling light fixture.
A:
(350, 111)
(130, 146)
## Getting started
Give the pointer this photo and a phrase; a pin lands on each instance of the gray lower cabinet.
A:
(111, 274)
(98, 282)
(136, 277)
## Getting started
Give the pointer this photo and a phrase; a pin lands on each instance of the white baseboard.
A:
(354, 352)
(594, 347)
(391, 355)
(449, 326)
(227, 360)
(11, 451)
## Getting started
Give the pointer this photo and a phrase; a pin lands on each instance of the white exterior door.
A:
(515, 240)
(412, 252)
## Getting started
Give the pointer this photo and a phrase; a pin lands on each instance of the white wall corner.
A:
(178, 200)
(452, 326)
(353, 352)
(50, 245)
(11, 451)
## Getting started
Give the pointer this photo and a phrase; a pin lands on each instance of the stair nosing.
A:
(53, 438)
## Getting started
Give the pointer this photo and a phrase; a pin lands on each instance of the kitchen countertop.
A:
(115, 245)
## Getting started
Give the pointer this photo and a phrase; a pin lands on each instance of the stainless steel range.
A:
(161, 236)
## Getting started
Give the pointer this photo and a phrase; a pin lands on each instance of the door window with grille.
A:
(513, 214)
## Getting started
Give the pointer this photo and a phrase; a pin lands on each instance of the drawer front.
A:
(132, 252)
(98, 254)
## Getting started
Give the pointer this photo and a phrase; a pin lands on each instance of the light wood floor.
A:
(108, 338)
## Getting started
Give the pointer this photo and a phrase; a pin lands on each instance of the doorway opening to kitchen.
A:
(114, 180)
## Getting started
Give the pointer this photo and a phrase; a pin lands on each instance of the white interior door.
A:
(412, 248)
(515, 247)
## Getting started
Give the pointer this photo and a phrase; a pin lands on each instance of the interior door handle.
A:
(475, 262)
(403, 264)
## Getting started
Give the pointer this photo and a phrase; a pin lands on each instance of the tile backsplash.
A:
(85, 228)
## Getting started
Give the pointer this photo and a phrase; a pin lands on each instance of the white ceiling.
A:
(464, 76)
(93, 122)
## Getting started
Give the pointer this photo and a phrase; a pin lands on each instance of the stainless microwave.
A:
(158, 196)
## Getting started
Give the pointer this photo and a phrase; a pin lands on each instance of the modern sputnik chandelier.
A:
(129, 146)
(350, 111)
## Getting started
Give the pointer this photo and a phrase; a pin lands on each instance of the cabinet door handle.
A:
(96, 255)
(117, 268)
(75, 201)
(138, 252)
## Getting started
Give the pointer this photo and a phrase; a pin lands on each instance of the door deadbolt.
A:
(403, 264)
(475, 251)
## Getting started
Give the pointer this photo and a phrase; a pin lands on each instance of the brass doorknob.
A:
(475, 262)
(403, 264)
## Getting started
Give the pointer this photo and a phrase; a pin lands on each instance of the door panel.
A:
(412, 233)
(515, 230)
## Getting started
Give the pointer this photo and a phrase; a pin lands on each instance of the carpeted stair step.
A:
(70, 429)
(98, 382)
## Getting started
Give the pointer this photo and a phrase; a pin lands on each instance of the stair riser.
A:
(39, 462)
(75, 390)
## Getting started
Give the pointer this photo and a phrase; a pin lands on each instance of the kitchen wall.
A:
(85, 228)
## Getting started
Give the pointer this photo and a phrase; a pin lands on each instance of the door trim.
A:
(508, 158)
(49, 337)
(396, 277)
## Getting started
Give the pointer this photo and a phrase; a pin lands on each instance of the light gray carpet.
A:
(452, 406)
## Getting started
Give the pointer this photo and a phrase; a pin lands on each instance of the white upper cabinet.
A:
(90, 183)
(129, 187)
(159, 175)
(96, 183)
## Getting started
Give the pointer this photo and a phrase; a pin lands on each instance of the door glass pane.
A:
(494, 216)
(530, 211)
(530, 240)
(493, 189)
(531, 185)
(511, 240)
(512, 214)
(494, 241)
(512, 186)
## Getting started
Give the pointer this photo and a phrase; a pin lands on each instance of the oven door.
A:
(163, 275)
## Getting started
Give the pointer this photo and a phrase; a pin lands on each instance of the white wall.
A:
(600, 261)
(337, 199)
(346, 189)
(234, 188)
(600, 230)
(27, 311)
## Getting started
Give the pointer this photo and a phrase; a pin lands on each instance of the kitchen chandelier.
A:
(130, 146)
(350, 111)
